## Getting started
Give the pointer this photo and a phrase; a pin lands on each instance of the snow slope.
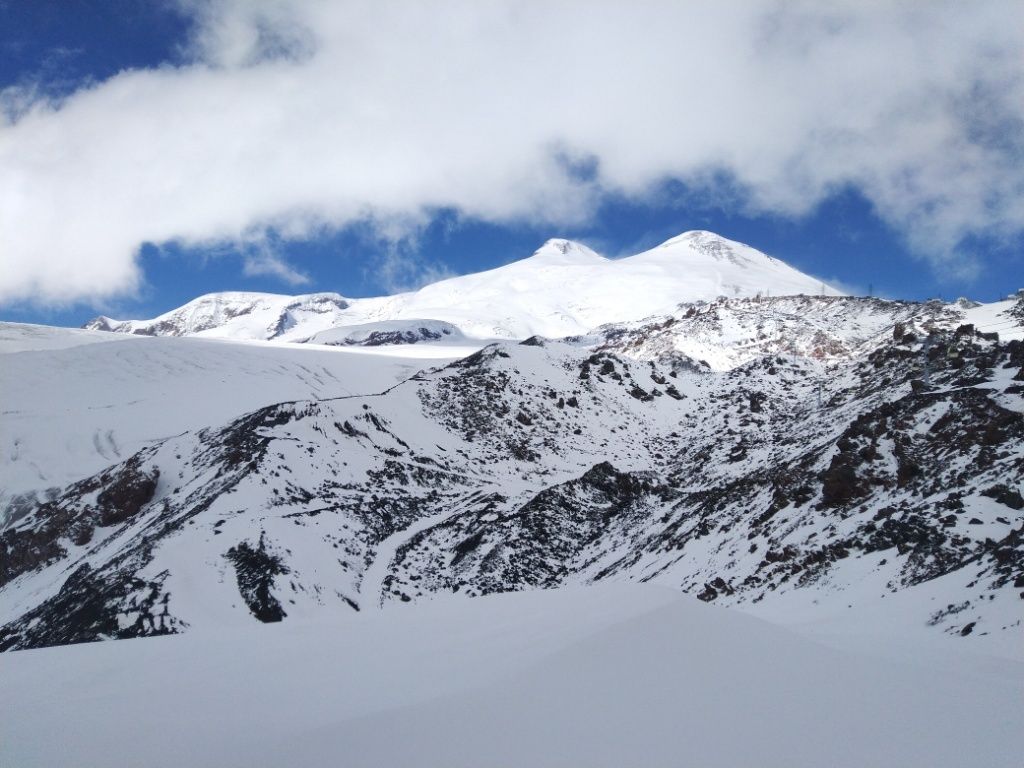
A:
(23, 337)
(613, 675)
(1003, 317)
(74, 402)
(563, 289)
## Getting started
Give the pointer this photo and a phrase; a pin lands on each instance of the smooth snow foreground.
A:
(616, 675)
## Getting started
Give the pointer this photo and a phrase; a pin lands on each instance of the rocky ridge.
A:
(850, 467)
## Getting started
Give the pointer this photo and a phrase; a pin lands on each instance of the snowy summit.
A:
(563, 289)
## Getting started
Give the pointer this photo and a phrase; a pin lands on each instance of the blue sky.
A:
(68, 65)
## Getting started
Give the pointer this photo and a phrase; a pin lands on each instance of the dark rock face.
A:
(495, 546)
(92, 606)
(255, 571)
(840, 484)
(24, 550)
(714, 588)
(411, 336)
(125, 496)
(126, 489)
(1005, 495)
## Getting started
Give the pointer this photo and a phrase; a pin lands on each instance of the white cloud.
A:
(400, 270)
(261, 258)
(307, 114)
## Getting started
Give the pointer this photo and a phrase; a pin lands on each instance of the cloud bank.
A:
(302, 115)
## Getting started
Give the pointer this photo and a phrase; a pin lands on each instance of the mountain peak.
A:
(565, 251)
(692, 235)
(714, 245)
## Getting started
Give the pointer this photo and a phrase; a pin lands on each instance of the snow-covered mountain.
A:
(239, 315)
(702, 512)
(563, 289)
(889, 470)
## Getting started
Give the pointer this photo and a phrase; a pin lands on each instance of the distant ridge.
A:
(564, 288)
